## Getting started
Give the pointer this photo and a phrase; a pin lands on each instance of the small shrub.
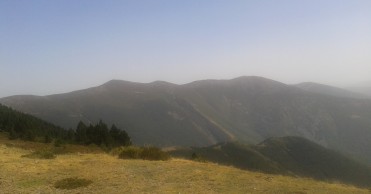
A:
(60, 150)
(194, 156)
(41, 154)
(198, 158)
(72, 183)
(145, 153)
(105, 148)
(58, 143)
(154, 153)
(116, 151)
(130, 153)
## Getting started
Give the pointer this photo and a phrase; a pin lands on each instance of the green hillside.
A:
(305, 158)
(294, 156)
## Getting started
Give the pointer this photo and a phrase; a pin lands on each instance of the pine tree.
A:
(81, 136)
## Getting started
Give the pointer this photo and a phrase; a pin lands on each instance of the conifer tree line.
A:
(26, 127)
(100, 134)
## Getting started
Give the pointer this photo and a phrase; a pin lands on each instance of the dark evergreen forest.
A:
(19, 125)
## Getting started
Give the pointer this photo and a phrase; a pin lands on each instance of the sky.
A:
(49, 47)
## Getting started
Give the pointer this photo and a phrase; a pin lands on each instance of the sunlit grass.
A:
(111, 175)
(108, 174)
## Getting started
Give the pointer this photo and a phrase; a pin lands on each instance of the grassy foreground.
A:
(111, 175)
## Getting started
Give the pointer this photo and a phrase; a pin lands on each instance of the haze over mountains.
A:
(362, 89)
(201, 113)
(332, 91)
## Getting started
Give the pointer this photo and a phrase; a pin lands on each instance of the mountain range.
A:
(201, 113)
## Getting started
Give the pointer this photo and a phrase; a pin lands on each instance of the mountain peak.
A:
(249, 78)
(254, 81)
(117, 81)
(162, 83)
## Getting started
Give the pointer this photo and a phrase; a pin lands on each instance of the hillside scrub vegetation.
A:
(41, 154)
(144, 153)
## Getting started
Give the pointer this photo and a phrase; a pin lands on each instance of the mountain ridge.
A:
(249, 109)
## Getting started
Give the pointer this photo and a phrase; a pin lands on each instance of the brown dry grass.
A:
(111, 175)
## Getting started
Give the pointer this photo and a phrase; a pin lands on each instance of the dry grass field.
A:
(111, 175)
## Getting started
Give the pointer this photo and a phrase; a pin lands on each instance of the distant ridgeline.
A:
(26, 127)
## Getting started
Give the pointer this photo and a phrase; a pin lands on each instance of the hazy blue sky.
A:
(58, 46)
